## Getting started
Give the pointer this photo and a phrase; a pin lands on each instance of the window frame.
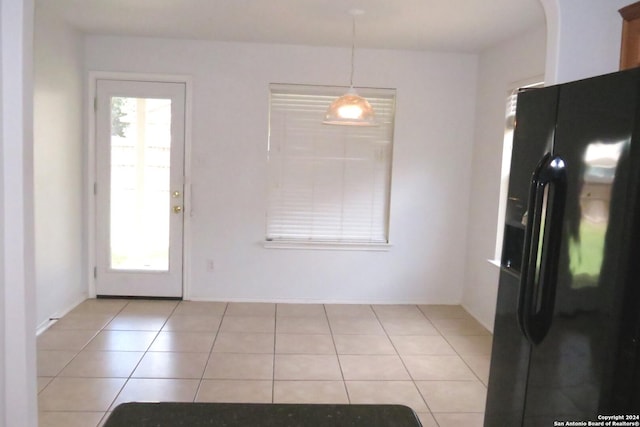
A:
(348, 135)
(507, 148)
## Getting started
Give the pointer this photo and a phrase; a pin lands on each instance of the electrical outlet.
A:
(210, 265)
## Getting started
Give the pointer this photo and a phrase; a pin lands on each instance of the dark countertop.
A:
(174, 414)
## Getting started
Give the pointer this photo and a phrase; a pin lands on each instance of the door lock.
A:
(175, 194)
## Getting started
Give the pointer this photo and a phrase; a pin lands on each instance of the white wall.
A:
(58, 165)
(431, 168)
(583, 38)
(500, 69)
(17, 314)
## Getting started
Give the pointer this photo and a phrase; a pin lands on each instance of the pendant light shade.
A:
(351, 109)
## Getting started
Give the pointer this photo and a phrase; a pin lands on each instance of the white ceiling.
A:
(444, 25)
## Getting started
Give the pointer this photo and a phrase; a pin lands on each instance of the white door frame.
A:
(91, 173)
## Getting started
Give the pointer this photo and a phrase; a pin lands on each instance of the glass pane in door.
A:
(140, 197)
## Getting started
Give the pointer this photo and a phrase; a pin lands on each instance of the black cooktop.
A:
(174, 414)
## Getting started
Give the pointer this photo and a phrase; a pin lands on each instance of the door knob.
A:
(177, 209)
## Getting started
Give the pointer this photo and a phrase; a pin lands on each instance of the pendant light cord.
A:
(353, 48)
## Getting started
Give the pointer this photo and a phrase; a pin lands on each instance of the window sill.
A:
(328, 246)
(495, 262)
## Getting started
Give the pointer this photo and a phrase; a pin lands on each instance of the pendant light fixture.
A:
(351, 109)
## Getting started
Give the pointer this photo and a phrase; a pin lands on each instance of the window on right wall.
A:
(507, 148)
(328, 185)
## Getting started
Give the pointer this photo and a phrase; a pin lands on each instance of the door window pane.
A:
(140, 199)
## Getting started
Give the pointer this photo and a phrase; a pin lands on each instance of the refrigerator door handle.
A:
(529, 255)
(543, 237)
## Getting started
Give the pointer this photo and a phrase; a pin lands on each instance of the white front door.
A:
(139, 188)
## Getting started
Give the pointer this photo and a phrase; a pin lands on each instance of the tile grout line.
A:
(144, 353)
(455, 350)
(273, 365)
(81, 348)
(335, 348)
(440, 334)
(213, 343)
(464, 361)
(85, 346)
(402, 360)
(459, 355)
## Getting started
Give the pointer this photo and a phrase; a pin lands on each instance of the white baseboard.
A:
(58, 314)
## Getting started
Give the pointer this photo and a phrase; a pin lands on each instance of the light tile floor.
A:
(434, 359)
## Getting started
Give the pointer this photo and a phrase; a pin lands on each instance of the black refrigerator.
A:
(567, 325)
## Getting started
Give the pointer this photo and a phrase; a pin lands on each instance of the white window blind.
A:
(327, 183)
